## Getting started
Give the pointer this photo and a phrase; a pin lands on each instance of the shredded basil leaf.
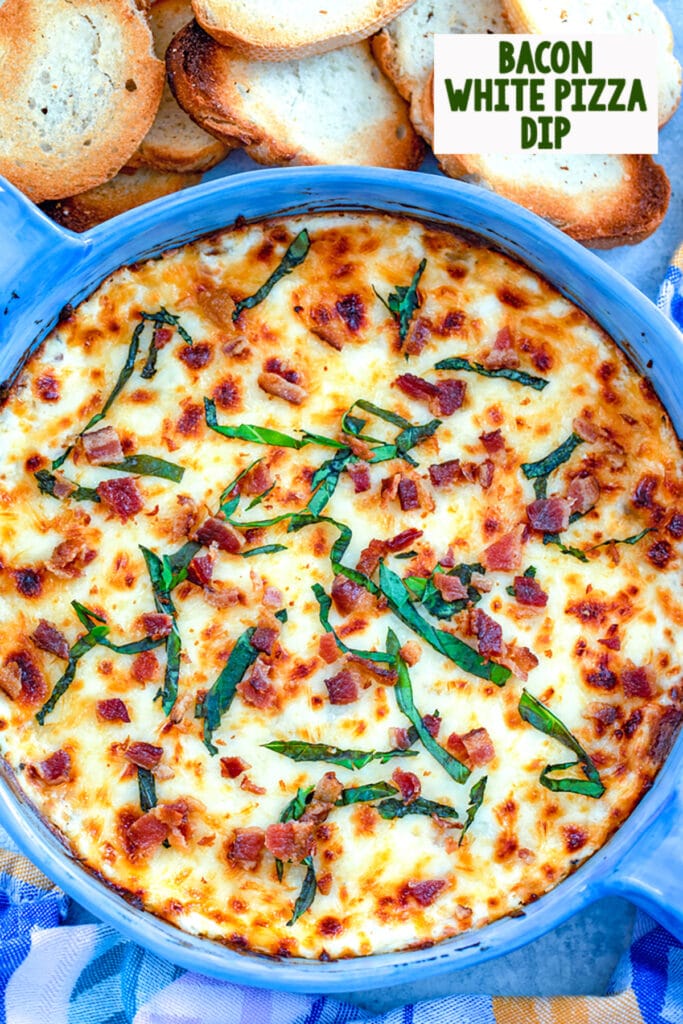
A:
(427, 592)
(553, 538)
(307, 894)
(541, 718)
(294, 256)
(326, 478)
(476, 800)
(324, 605)
(220, 696)
(174, 569)
(624, 540)
(265, 549)
(407, 554)
(404, 302)
(282, 615)
(300, 750)
(404, 698)
(365, 794)
(259, 497)
(91, 619)
(228, 504)
(543, 467)
(158, 574)
(458, 363)
(48, 481)
(86, 643)
(148, 790)
(162, 317)
(394, 808)
(298, 804)
(148, 465)
(264, 435)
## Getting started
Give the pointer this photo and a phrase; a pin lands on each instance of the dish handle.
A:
(650, 873)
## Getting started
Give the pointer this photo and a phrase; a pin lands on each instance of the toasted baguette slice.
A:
(404, 49)
(337, 108)
(277, 30)
(576, 17)
(130, 187)
(601, 201)
(79, 88)
(175, 142)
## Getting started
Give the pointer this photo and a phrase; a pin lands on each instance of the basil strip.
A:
(404, 698)
(307, 894)
(518, 376)
(476, 800)
(553, 538)
(48, 481)
(162, 317)
(265, 549)
(324, 605)
(426, 591)
(228, 504)
(545, 466)
(147, 789)
(460, 653)
(394, 808)
(541, 718)
(148, 465)
(264, 435)
(365, 794)
(158, 574)
(91, 619)
(409, 436)
(259, 497)
(300, 750)
(220, 696)
(404, 302)
(175, 565)
(294, 256)
(325, 479)
(81, 647)
(298, 804)
(625, 540)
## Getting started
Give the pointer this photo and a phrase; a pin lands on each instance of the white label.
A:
(520, 93)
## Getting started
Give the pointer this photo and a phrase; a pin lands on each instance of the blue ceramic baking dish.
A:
(42, 268)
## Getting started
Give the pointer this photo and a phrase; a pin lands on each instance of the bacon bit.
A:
(424, 893)
(63, 488)
(519, 660)
(10, 680)
(502, 355)
(276, 366)
(272, 598)
(489, 634)
(603, 715)
(121, 496)
(342, 688)
(360, 476)
(328, 789)
(222, 595)
(637, 682)
(101, 446)
(415, 387)
(47, 637)
(257, 480)
(602, 678)
(408, 785)
(644, 491)
(195, 356)
(372, 671)
(493, 442)
(451, 588)
(351, 309)
(432, 724)
(69, 559)
(360, 448)
(176, 816)
(370, 558)
(548, 515)
(145, 667)
(47, 387)
(480, 582)
(263, 639)
(480, 749)
(675, 525)
(349, 596)
(232, 767)
(251, 787)
(257, 690)
(215, 531)
(506, 552)
(456, 746)
(450, 394)
(22, 680)
(399, 738)
(401, 540)
(411, 652)
(247, 847)
(407, 494)
(291, 840)
(328, 649)
(529, 592)
(389, 488)
(275, 385)
(56, 768)
(660, 553)
(485, 472)
(112, 710)
(145, 835)
(144, 755)
(445, 473)
(200, 569)
(157, 625)
(583, 493)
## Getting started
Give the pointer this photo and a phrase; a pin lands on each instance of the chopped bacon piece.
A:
(418, 336)
(451, 588)
(112, 710)
(407, 494)
(47, 637)
(360, 448)
(506, 552)
(22, 680)
(502, 355)
(432, 724)
(549, 515)
(348, 596)
(275, 385)
(424, 893)
(69, 559)
(408, 785)
(102, 446)
(370, 557)
(402, 540)
(342, 688)
(493, 442)
(480, 582)
(450, 394)
(372, 671)
(56, 768)
(645, 489)
(215, 531)
(489, 634)
(485, 472)
(328, 789)
(660, 553)
(247, 847)
(272, 598)
(411, 652)
(121, 496)
(603, 714)
(586, 429)
(519, 660)
(232, 767)
(251, 787)
(583, 493)
(675, 525)
(200, 569)
(445, 473)
(399, 738)
(327, 646)
(637, 682)
(10, 680)
(222, 595)
(145, 835)
(291, 840)
(528, 591)
(415, 387)
(144, 755)
(360, 476)
(157, 625)
(275, 365)
(145, 667)
(257, 480)
(196, 356)
(263, 639)
(176, 816)
(457, 747)
(389, 488)
(480, 749)
(63, 488)
(257, 690)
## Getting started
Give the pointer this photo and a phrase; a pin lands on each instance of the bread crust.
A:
(71, 118)
(212, 84)
(260, 40)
